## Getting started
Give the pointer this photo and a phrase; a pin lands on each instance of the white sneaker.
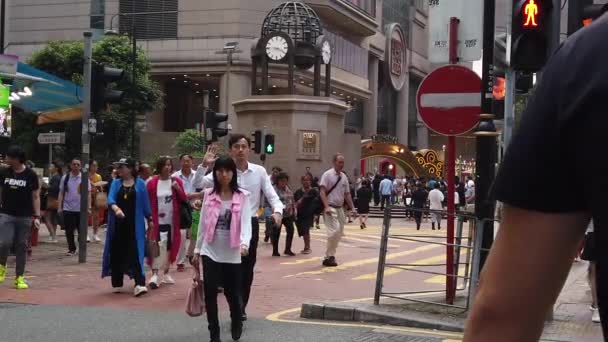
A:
(51, 240)
(595, 317)
(167, 279)
(153, 282)
(117, 289)
(96, 238)
(139, 290)
(88, 238)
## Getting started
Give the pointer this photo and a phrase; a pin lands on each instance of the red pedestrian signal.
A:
(531, 14)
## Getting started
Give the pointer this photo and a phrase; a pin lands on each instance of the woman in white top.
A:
(223, 237)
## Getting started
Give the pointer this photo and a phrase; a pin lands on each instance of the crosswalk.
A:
(415, 256)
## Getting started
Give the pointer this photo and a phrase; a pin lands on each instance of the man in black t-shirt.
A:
(562, 136)
(20, 203)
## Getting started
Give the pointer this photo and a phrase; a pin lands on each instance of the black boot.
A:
(236, 330)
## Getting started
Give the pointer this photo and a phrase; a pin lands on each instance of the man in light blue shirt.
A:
(386, 190)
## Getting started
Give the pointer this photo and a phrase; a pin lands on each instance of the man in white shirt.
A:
(254, 179)
(335, 191)
(186, 174)
(436, 203)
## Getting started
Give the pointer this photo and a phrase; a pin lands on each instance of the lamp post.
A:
(229, 49)
(112, 32)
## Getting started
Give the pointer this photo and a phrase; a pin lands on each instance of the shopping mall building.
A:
(379, 59)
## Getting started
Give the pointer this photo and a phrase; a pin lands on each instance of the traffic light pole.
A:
(486, 150)
(86, 114)
(133, 79)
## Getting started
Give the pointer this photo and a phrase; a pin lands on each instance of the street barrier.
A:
(467, 252)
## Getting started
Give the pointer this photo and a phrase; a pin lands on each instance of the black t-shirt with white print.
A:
(562, 137)
(17, 191)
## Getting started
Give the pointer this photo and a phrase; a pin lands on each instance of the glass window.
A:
(368, 6)
(348, 56)
(98, 10)
(397, 11)
(149, 26)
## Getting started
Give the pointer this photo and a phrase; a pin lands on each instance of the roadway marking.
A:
(389, 271)
(277, 317)
(349, 237)
(302, 261)
(362, 262)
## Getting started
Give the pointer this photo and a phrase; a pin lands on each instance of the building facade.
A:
(185, 39)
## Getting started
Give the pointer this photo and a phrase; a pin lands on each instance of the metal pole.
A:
(507, 133)
(486, 134)
(86, 113)
(205, 109)
(133, 79)
(228, 70)
(386, 222)
(450, 286)
(50, 155)
(556, 22)
(2, 24)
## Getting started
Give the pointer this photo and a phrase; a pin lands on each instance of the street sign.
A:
(449, 100)
(51, 138)
(470, 29)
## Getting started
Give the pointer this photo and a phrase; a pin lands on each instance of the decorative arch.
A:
(399, 153)
(429, 160)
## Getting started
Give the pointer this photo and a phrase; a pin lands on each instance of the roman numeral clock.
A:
(291, 34)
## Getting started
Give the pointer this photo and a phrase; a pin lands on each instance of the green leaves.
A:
(191, 142)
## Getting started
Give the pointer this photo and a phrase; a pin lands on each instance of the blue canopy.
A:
(53, 99)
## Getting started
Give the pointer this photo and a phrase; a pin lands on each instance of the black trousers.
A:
(386, 199)
(288, 222)
(230, 277)
(124, 259)
(418, 217)
(248, 262)
(71, 222)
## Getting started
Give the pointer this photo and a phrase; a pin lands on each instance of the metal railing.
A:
(467, 251)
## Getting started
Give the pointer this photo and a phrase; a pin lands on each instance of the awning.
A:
(54, 99)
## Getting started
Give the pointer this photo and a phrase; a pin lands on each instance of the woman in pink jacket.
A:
(223, 237)
(166, 193)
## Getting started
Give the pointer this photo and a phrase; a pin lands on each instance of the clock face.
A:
(326, 52)
(276, 48)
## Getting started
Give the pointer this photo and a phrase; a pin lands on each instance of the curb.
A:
(352, 313)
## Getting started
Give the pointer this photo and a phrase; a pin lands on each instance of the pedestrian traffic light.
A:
(257, 141)
(101, 96)
(269, 147)
(530, 34)
(212, 125)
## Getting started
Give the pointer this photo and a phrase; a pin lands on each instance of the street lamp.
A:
(229, 49)
(112, 32)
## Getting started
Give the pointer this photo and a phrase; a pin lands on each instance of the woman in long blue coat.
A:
(126, 235)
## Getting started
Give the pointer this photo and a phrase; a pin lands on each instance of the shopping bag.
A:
(195, 305)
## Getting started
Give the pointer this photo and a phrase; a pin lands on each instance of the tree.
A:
(65, 59)
(190, 142)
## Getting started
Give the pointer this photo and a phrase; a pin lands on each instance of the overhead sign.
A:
(449, 100)
(8, 64)
(470, 29)
(51, 138)
(396, 56)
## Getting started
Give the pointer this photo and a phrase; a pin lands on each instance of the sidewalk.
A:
(571, 315)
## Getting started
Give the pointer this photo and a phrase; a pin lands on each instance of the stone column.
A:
(238, 88)
(403, 109)
(370, 108)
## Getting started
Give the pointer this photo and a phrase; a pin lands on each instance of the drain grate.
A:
(383, 337)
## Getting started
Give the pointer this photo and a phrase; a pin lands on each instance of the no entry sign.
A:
(449, 100)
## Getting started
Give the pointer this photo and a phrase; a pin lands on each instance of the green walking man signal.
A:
(269, 144)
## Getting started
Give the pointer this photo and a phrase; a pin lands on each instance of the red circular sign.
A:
(449, 100)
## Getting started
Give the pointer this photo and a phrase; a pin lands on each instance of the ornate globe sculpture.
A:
(292, 34)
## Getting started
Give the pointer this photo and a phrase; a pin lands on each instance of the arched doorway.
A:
(379, 156)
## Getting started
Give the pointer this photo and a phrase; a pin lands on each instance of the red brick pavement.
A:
(280, 284)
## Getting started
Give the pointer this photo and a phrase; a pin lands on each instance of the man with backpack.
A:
(69, 203)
